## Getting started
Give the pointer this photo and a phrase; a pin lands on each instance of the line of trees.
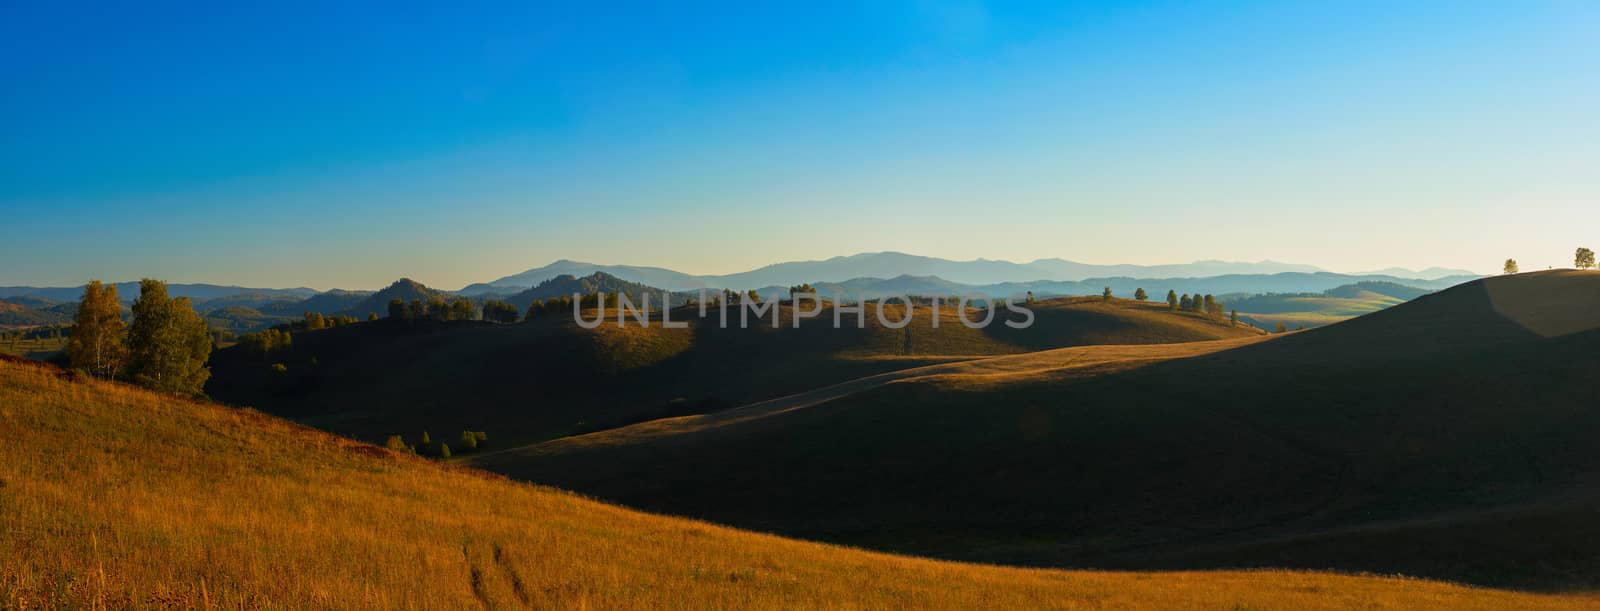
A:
(165, 348)
(436, 308)
(495, 310)
(1199, 304)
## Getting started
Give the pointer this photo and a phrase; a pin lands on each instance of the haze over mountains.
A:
(894, 264)
(861, 276)
(865, 275)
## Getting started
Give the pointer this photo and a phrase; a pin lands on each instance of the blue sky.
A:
(347, 146)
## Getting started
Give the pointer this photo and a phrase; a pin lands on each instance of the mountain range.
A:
(894, 264)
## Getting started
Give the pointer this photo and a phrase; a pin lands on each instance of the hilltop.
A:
(567, 285)
(145, 501)
(1447, 437)
(548, 377)
(404, 289)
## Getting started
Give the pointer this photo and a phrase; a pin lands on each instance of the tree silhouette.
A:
(1511, 266)
(1584, 259)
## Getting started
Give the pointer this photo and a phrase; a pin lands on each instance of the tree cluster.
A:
(1199, 304)
(470, 442)
(545, 307)
(164, 349)
(268, 341)
(316, 320)
(495, 310)
(435, 308)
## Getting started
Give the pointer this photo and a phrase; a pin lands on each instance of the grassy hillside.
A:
(22, 313)
(148, 501)
(1296, 310)
(547, 377)
(1450, 437)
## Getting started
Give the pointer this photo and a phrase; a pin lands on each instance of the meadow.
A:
(115, 497)
(1447, 437)
(548, 378)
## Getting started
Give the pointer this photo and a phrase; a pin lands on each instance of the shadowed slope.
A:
(548, 377)
(147, 501)
(1399, 429)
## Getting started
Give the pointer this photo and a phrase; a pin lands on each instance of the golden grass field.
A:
(113, 497)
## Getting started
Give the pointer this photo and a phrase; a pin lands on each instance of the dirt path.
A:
(995, 368)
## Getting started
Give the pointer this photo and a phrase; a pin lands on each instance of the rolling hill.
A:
(548, 377)
(148, 501)
(1447, 437)
(601, 282)
(404, 289)
(1296, 310)
(18, 313)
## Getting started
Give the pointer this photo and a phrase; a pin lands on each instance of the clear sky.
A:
(303, 145)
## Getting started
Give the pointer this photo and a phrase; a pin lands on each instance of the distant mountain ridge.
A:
(895, 264)
(127, 291)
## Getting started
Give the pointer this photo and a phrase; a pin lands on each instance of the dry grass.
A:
(1550, 303)
(112, 497)
(969, 373)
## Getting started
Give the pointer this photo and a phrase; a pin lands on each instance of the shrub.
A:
(397, 444)
(444, 450)
(469, 441)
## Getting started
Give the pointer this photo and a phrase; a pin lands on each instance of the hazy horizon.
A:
(494, 276)
(351, 146)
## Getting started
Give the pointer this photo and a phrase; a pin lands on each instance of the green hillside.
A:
(1450, 437)
(547, 377)
(1296, 310)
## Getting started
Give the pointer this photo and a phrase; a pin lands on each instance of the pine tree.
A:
(168, 343)
(98, 343)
